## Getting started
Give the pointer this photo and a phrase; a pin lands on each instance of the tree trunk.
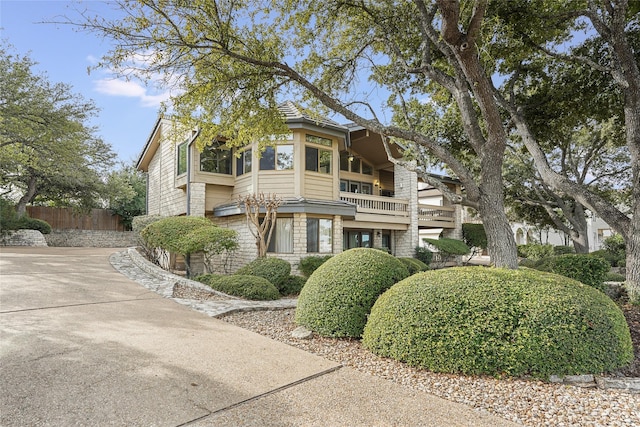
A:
(501, 245)
(580, 231)
(21, 207)
(632, 243)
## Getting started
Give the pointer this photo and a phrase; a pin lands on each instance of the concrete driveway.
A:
(80, 344)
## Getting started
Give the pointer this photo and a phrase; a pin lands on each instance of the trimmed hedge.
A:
(423, 254)
(26, 223)
(449, 246)
(338, 296)
(477, 320)
(275, 270)
(584, 268)
(414, 265)
(535, 251)
(310, 264)
(292, 285)
(249, 287)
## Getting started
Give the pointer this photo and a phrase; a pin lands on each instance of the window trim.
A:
(318, 167)
(276, 158)
(182, 150)
(315, 245)
(216, 150)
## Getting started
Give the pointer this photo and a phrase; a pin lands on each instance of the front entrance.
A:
(357, 239)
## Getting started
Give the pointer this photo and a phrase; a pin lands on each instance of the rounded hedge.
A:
(275, 270)
(34, 224)
(584, 268)
(478, 320)
(338, 296)
(292, 285)
(249, 287)
(414, 265)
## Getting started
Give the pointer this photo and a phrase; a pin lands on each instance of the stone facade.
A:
(24, 238)
(406, 187)
(92, 238)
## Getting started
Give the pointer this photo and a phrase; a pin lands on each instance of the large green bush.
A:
(474, 235)
(478, 320)
(584, 268)
(535, 251)
(423, 254)
(292, 285)
(167, 233)
(615, 250)
(309, 264)
(414, 265)
(275, 270)
(249, 287)
(338, 296)
(26, 223)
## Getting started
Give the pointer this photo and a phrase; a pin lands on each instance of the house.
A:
(340, 190)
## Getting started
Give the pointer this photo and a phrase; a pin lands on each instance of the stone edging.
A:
(150, 268)
(628, 384)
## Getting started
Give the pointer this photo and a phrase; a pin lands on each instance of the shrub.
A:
(535, 251)
(275, 270)
(615, 277)
(474, 235)
(8, 216)
(449, 247)
(587, 269)
(249, 287)
(615, 248)
(563, 250)
(167, 233)
(477, 320)
(610, 258)
(138, 223)
(26, 223)
(413, 265)
(309, 264)
(292, 285)
(424, 255)
(338, 296)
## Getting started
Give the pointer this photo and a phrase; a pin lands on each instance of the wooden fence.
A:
(70, 219)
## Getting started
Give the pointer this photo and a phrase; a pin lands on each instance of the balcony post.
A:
(406, 187)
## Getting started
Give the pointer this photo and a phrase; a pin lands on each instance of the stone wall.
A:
(23, 238)
(92, 238)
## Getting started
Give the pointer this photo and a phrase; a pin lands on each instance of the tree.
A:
(127, 190)
(437, 59)
(48, 152)
(261, 226)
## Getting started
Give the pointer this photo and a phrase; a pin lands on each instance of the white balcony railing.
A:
(377, 205)
(436, 216)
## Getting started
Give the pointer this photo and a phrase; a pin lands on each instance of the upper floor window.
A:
(318, 140)
(216, 158)
(181, 161)
(279, 157)
(351, 163)
(243, 162)
(318, 160)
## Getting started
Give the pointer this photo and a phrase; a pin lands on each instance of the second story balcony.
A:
(378, 208)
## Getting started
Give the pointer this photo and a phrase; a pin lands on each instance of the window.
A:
(367, 169)
(282, 237)
(182, 159)
(344, 161)
(319, 235)
(243, 162)
(216, 158)
(357, 239)
(279, 158)
(356, 187)
(355, 165)
(317, 160)
(318, 140)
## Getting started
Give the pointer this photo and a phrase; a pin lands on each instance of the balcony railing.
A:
(377, 205)
(436, 216)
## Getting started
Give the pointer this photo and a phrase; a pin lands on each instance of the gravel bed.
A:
(530, 403)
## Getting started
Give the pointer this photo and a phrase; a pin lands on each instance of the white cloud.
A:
(130, 89)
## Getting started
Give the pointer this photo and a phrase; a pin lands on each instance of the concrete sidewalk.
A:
(81, 344)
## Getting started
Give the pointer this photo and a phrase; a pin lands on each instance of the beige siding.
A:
(244, 185)
(217, 195)
(278, 182)
(319, 186)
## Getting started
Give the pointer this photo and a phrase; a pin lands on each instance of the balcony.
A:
(433, 216)
(380, 209)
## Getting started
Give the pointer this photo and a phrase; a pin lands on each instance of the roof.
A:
(295, 205)
(297, 116)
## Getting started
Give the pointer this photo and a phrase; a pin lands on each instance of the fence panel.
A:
(69, 219)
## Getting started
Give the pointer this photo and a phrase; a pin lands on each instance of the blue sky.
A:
(128, 110)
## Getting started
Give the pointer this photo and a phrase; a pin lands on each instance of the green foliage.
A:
(414, 265)
(449, 246)
(26, 223)
(535, 251)
(140, 222)
(474, 235)
(423, 254)
(249, 287)
(167, 233)
(584, 268)
(210, 239)
(292, 285)
(563, 250)
(338, 296)
(615, 277)
(477, 320)
(275, 270)
(615, 249)
(309, 264)
(127, 190)
(8, 216)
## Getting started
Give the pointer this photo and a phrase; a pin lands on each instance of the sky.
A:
(128, 110)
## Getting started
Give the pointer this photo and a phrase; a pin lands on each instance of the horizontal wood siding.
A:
(217, 195)
(70, 219)
(280, 183)
(319, 186)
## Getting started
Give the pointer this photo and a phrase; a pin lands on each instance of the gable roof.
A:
(298, 117)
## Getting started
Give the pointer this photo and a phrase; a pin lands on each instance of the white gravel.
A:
(530, 403)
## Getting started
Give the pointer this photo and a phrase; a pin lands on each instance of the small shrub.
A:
(249, 287)
(138, 223)
(338, 296)
(535, 251)
(413, 265)
(423, 254)
(167, 233)
(275, 270)
(563, 250)
(615, 277)
(587, 269)
(292, 285)
(26, 223)
(477, 320)
(474, 235)
(615, 248)
(309, 264)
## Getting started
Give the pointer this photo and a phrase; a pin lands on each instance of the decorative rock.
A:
(301, 333)
(580, 380)
(629, 384)
(24, 238)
